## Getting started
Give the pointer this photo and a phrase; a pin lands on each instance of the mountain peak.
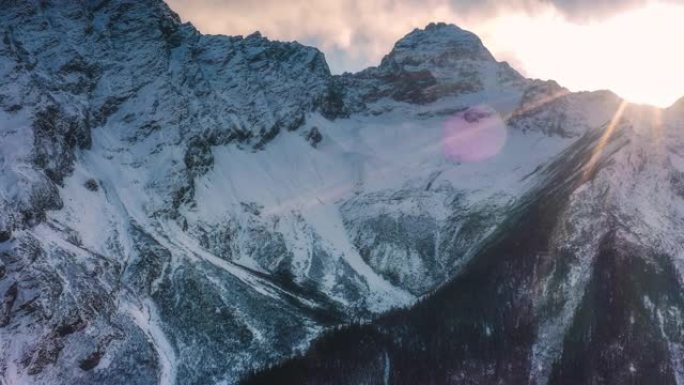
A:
(440, 43)
(436, 61)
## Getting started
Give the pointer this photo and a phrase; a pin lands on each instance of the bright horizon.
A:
(631, 53)
(630, 50)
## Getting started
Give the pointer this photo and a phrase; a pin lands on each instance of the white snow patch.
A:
(145, 316)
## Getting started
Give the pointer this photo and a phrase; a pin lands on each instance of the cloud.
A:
(355, 34)
(591, 10)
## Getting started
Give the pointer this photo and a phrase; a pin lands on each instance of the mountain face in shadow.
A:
(501, 319)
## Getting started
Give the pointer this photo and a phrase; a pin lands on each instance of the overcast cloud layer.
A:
(356, 33)
(583, 44)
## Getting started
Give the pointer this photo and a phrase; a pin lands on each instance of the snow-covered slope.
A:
(580, 284)
(183, 208)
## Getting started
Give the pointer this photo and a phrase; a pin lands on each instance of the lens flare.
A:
(474, 135)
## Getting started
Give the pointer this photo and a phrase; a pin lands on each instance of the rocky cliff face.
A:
(182, 208)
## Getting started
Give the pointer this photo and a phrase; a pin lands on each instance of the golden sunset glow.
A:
(635, 54)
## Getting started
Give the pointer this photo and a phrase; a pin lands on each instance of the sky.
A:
(628, 46)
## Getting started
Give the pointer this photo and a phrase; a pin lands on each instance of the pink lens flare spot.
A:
(474, 135)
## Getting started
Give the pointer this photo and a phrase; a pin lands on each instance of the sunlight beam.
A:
(598, 150)
(523, 109)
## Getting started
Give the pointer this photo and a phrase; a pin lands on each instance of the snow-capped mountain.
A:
(179, 208)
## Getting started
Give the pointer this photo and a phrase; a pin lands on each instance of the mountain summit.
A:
(438, 44)
(179, 208)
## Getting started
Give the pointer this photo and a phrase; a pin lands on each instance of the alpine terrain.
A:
(180, 208)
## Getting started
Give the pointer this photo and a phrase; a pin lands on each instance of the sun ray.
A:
(536, 104)
(657, 128)
(598, 150)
